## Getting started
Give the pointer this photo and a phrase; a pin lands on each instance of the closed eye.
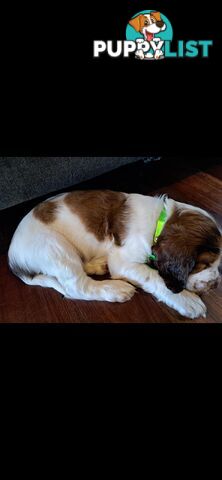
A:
(199, 267)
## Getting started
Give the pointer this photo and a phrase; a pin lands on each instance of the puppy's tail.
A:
(44, 281)
(37, 279)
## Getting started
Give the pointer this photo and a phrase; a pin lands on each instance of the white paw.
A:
(189, 305)
(139, 54)
(117, 291)
(158, 54)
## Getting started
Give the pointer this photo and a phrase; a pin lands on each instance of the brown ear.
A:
(186, 235)
(156, 15)
(175, 256)
(136, 22)
(174, 266)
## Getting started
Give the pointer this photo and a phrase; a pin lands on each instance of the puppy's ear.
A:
(136, 22)
(187, 236)
(174, 267)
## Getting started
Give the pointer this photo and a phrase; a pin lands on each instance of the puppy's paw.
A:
(139, 54)
(158, 54)
(117, 291)
(189, 305)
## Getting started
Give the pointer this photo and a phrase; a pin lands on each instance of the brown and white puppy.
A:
(71, 236)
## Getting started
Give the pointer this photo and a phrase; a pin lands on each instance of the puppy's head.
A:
(189, 251)
(148, 24)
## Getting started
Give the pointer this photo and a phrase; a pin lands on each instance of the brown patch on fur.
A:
(189, 243)
(103, 212)
(204, 260)
(46, 212)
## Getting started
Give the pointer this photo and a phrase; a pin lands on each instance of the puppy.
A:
(148, 25)
(71, 236)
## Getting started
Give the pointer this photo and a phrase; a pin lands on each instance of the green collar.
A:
(159, 228)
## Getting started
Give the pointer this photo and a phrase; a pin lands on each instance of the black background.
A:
(57, 99)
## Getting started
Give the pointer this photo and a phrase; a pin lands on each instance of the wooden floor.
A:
(198, 182)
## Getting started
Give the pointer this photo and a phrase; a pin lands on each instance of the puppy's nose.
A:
(160, 23)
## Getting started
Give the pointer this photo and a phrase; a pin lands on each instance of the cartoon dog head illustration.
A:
(148, 24)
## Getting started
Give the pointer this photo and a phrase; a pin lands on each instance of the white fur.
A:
(62, 253)
(152, 27)
(198, 282)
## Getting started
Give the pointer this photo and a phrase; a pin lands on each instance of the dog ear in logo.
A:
(136, 22)
(150, 22)
(157, 18)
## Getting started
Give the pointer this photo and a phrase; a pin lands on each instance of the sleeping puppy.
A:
(71, 236)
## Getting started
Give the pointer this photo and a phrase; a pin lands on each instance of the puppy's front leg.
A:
(186, 303)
